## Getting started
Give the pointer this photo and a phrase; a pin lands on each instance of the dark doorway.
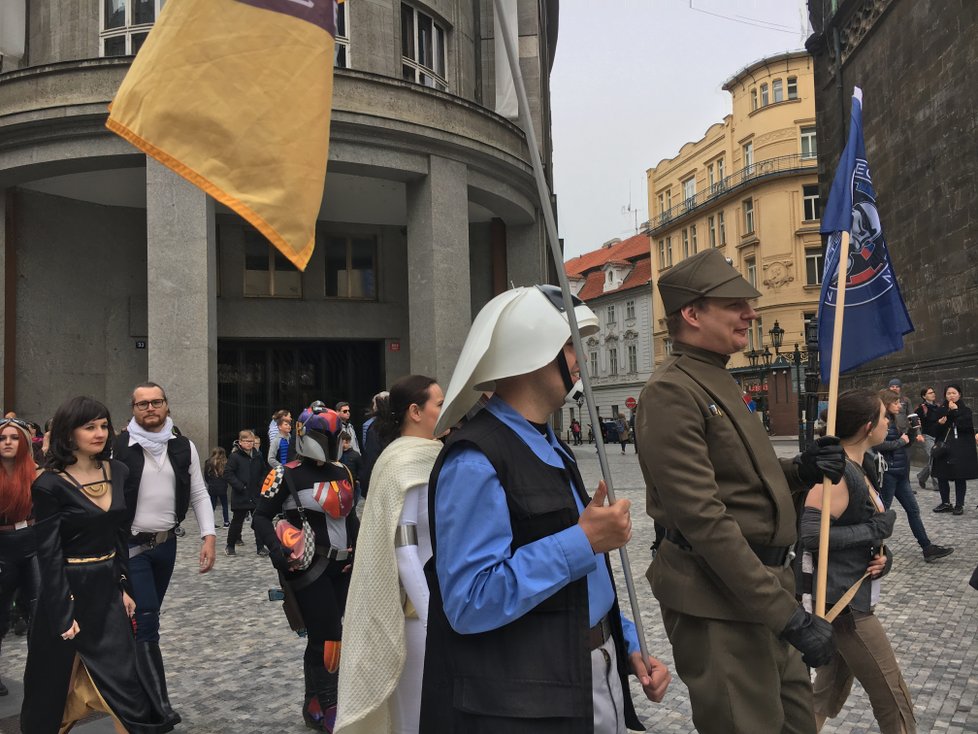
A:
(256, 378)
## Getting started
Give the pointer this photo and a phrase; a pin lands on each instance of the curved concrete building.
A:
(116, 270)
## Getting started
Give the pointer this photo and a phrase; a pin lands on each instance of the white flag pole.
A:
(551, 226)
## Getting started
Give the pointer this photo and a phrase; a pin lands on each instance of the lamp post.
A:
(812, 380)
(777, 337)
(801, 406)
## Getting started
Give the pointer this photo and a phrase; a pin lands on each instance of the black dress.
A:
(83, 559)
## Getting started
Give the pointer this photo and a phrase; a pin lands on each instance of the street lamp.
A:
(801, 406)
(752, 356)
(766, 354)
(812, 380)
(777, 336)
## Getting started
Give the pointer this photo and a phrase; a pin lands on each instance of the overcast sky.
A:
(632, 82)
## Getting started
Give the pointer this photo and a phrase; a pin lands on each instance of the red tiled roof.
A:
(629, 249)
(594, 285)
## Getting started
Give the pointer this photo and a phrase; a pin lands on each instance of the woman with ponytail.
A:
(387, 609)
(18, 556)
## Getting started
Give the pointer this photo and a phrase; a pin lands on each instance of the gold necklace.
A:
(95, 489)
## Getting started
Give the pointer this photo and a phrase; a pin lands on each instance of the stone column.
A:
(439, 307)
(181, 269)
(5, 400)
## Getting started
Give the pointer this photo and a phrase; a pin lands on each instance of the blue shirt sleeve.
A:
(631, 636)
(484, 585)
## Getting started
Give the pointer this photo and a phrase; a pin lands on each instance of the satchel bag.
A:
(308, 536)
(940, 448)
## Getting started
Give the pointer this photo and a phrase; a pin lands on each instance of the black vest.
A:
(532, 675)
(177, 449)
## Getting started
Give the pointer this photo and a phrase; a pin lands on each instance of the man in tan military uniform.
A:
(722, 575)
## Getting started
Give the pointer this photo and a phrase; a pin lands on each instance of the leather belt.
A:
(17, 525)
(599, 633)
(151, 540)
(769, 555)
(90, 559)
(333, 554)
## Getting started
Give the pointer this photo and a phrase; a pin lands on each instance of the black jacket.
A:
(894, 450)
(245, 473)
(961, 459)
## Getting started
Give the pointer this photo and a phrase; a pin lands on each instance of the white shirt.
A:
(156, 505)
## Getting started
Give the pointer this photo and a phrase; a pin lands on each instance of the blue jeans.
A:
(149, 574)
(898, 485)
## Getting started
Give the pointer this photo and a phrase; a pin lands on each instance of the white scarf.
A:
(373, 627)
(153, 441)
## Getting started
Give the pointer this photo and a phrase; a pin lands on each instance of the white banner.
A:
(13, 27)
(506, 102)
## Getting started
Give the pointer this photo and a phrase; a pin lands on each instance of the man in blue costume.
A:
(524, 629)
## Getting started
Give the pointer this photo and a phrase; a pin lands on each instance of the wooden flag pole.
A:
(823, 535)
(546, 206)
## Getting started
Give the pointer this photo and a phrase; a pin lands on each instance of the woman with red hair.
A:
(18, 556)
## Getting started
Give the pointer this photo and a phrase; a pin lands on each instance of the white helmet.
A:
(518, 331)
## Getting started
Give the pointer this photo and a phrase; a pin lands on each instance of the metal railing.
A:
(770, 167)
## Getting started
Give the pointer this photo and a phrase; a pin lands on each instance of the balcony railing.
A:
(770, 167)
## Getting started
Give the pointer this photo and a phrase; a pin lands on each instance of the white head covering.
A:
(518, 331)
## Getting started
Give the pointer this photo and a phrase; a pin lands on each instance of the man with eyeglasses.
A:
(343, 408)
(164, 482)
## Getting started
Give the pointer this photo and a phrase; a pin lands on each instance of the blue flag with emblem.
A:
(876, 318)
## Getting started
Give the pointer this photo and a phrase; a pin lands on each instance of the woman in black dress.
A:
(81, 655)
(960, 461)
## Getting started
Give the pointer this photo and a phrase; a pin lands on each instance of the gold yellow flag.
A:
(235, 96)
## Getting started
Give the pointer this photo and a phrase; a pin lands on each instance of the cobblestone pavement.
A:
(233, 665)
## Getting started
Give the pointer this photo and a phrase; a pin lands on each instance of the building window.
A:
(685, 243)
(720, 173)
(721, 229)
(777, 90)
(809, 148)
(711, 227)
(125, 25)
(748, 216)
(594, 364)
(813, 208)
(753, 98)
(669, 252)
(814, 266)
(351, 267)
(750, 264)
(267, 272)
(764, 97)
(748, 156)
(759, 330)
(689, 190)
(632, 358)
(662, 203)
(342, 38)
(692, 238)
(611, 315)
(629, 310)
(613, 361)
(792, 87)
(668, 199)
(710, 175)
(423, 51)
(662, 254)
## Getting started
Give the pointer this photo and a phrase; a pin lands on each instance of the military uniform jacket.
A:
(712, 474)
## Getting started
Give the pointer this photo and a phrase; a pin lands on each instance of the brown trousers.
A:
(864, 652)
(742, 679)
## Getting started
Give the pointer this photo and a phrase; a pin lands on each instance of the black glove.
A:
(812, 635)
(823, 459)
(882, 524)
(280, 558)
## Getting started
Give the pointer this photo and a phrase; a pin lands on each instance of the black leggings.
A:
(18, 570)
(322, 604)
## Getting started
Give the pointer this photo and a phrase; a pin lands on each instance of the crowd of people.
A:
(445, 565)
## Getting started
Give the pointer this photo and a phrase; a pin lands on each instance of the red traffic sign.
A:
(630, 403)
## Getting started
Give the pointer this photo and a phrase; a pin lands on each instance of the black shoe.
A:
(227, 524)
(229, 551)
(149, 665)
(239, 542)
(957, 511)
(263, 552)
(933, 552)
(922, 483)
(944, 507)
